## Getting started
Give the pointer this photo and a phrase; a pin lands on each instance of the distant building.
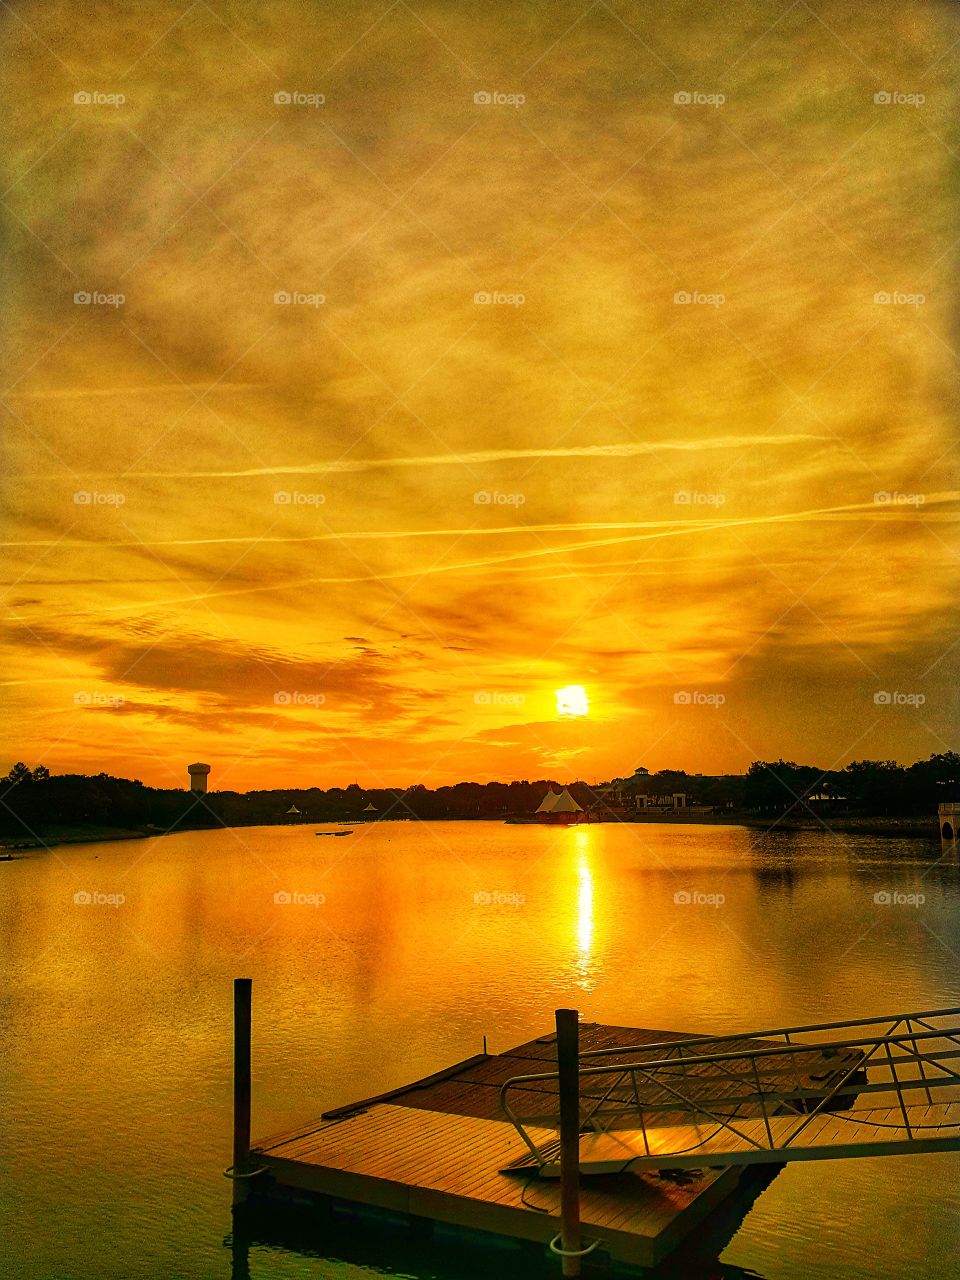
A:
(675, 800)
(198, 778)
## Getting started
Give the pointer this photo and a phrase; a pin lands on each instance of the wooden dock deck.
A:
(438, 1150)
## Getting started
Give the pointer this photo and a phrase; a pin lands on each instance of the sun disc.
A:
(572, 700)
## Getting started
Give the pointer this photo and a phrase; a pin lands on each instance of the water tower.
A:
(198, 778)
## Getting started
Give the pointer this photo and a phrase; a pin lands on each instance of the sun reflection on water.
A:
(583, 838)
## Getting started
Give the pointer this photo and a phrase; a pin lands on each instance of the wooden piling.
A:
(568, 1070)
(242, 989)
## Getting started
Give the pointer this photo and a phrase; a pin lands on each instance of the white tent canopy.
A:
(559, 803)
(565, 803)
(548, 802)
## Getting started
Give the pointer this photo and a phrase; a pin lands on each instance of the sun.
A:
(572, 701)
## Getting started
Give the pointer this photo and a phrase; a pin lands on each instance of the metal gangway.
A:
(763, 1097)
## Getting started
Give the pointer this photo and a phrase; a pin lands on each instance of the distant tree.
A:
(945, 765)
(778, 786)
(931, 781)
(720, 793)
(876, 786)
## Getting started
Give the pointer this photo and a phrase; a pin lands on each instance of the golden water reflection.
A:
(386, 955)
(585, 921)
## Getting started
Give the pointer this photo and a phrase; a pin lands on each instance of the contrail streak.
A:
(476, 458)
(614, 526)
(653, 530)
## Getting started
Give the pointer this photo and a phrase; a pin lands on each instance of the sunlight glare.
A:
(572, 700)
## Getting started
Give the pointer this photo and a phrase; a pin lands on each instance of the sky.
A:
(373, 371)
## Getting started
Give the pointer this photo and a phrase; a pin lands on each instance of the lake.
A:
(404, 944)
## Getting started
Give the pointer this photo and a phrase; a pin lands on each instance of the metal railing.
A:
(785, 1072)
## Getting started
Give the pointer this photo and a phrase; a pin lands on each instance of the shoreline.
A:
(913, 828)
(920, 828)
(72, 835)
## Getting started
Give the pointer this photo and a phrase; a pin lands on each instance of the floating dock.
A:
(608, 1141)
(440, 1150)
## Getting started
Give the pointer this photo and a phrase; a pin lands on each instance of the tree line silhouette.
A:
(34, 802)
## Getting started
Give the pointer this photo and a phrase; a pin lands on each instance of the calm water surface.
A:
(115, 1037)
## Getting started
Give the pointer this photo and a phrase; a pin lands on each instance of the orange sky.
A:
(387, 623)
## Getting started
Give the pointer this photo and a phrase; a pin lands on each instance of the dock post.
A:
(241, 1085)
(568, 1071)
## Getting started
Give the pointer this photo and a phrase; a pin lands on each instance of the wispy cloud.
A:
(156, 389)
